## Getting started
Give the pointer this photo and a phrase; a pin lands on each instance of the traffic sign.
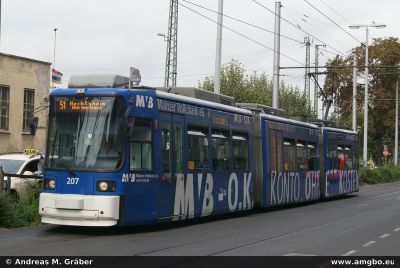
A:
(386, 153)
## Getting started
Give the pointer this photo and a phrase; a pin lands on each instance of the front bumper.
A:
(79, 210)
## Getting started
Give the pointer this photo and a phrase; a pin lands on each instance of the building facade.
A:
(24, 92)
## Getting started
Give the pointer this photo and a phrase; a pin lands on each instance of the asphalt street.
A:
(366, 223)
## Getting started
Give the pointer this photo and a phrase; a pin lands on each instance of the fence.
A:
(5, 179)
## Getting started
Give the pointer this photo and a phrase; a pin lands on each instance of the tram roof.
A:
(194, 101)
(287, 120)
(91, 91)
(340, 130)
(210, 104)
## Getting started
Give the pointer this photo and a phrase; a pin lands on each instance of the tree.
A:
(257, 88)
(383, 53)
(338, 87)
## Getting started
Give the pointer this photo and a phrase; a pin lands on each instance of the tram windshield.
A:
(85, 133)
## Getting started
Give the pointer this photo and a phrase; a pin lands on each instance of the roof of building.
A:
(24, 58)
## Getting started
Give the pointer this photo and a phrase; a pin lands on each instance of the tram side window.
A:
(178, 148)
(355, 157)
(166, 147)
(333, 157)
(274, 155)
(289, 155)
(276, 150)
(198, 158)
(341, 157)
(141, 149)
(220, 149)
(348, 157)
(312, 157)
(240, 143)
(301, 155)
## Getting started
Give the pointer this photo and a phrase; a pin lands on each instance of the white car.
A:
(26, 163)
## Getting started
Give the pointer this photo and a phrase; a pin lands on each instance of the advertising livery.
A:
(119, 156)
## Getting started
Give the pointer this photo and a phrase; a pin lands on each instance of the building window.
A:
(29, 104)
(4, 106)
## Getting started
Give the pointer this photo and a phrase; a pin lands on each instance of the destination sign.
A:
(82, 105)
(220, 120)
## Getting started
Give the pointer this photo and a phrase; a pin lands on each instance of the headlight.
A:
(49, 184)
(105, 186)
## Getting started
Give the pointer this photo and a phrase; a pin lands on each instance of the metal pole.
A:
(54, 51)
(175, 50)
(277, 45)
(2, 179)
(316, 89)
(8, 185)
(316, 82)
(166, 75)
(336, 107)
(396, 131)
(354, 121)
(357, 26)
(172, 45)
(365, 147)
(217, 83)
(307, 71)
(0, 23)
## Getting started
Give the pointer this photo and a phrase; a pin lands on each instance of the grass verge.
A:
(386, 173)
(20, 212)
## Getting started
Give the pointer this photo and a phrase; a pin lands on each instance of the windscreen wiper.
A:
(65, 164)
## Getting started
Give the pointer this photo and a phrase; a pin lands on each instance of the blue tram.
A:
(124, 156)
(339, 161)
(291, 161)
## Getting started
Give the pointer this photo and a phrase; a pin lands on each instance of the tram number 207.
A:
(72, 180)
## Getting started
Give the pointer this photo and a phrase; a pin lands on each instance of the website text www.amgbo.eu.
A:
(364, 262)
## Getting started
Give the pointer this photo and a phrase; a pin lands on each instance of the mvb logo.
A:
(144, 101)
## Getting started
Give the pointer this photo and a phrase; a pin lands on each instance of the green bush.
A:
(5, 208)
(386, 173)
(19, 213)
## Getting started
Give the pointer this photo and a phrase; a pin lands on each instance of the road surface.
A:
(366, 223)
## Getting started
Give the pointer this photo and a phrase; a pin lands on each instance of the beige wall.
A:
(19, 74)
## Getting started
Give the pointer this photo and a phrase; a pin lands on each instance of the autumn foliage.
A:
(384, 56)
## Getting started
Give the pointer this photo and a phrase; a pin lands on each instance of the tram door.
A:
(171, 143)
(274, 162)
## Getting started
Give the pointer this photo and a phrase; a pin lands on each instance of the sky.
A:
(109, 36)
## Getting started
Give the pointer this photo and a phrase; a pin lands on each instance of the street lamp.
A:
(54, 49)
(366, 26)
(166, 58)
(163, 35)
